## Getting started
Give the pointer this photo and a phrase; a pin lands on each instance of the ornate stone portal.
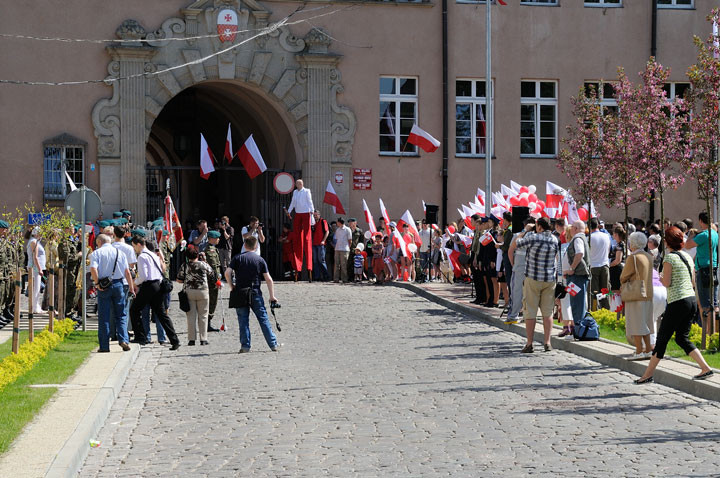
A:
(298, 77)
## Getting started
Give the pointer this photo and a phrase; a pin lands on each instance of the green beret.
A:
(139, 232)
(166, 232)
(104, 224)
(117, 214)
(213, 235)
(4, 224)
(122, 221)
(126, 212)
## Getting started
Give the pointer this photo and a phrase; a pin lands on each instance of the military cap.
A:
(4, 225)
(166, 232)
(117, 214)
(104, 224)
(122, 221)
(213, 235)
(139, 232)
(126, 212)
(352, 219)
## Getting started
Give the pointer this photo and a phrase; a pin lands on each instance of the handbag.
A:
(165, 285)
(106, 282)
(634, 290)
(183, 298)
(240, 297)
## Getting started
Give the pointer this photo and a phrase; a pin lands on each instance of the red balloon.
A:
(532, 197)
(451, 229)
(524, 202)
(583, 214)
(524, 189)
(514, 201)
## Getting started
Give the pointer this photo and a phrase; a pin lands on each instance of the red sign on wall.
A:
(362, 179)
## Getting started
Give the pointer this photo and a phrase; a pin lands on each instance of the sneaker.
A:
(276, 348)
(511, 320)
(528, 349)
(635, 356)
(244, 351)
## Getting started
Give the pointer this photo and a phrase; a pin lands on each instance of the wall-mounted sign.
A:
(284, 183)
(227, 25)
(339, 177)
(362, 179)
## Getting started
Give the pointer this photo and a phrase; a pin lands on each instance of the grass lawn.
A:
(18, 403)
(713, 359)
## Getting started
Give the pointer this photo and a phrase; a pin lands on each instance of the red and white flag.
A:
(515, 186)
(384, 214)
(572, 289)
(408, 219)
(467, 213)
(454, 256)
(207, 160)
(480, 195)
(332, 199)
(228, 146)
(399, 243)
(172, 221)
(424, 206)
(507, 192)
(422, 138)
(554, 197)
(486, 239)
(477, 208)
(251, 158)
(467, 240)
(369, 218)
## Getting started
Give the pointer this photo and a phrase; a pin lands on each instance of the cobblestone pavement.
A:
(376, 381)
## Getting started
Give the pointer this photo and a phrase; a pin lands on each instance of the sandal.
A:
(528, 349)
(703, 376)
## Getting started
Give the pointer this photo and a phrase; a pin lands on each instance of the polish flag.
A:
(467, 212)
(424, 206)
(207, 160)
(422, 138)
(228, 146)
(515, 186)
(408, 219)
(486, 239)
(572, 289)
(467, 240)
(251, 158)
(454, 256)
(507, 192)
(554, 196)
(480, 196)
(172, 221)
(369, 218)
(499, 201)
(399, 243)
(332, 199)
(476, 208)
(384, 214)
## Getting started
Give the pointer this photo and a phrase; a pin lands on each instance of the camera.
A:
(275, 305)
(260, 224)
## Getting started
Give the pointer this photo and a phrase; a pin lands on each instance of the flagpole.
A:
(489, 120)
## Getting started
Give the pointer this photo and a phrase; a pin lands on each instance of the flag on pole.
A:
(507, 192)
(369, 218)
(515, 186)
(207, 160)
(480, 196)
(172, 222)
(554, 196)
(467, 240)
(228, 146)
(399, 243)
(467, 213)
(422, 138)
(408, 219)
(71, 182)
(486, 239)
(332, 199)
(424, 206)
(572, 289)
(384, 214)
(454, 256)
(251, 158)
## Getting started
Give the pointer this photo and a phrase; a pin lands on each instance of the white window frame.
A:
(602, 101)
(397, 98)
(603, 4)
(58, 190)
(551, 3)
(537, 101)
(675, 6)
(475, 102)
(673, 86)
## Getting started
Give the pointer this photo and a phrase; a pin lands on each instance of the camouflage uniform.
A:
(72, 270)
(5, 273)
(212, 257)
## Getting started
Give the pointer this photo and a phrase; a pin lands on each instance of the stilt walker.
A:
(303, 206)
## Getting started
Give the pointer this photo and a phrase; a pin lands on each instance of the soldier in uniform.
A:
(5, 273)
(65, 249)
(212, 257)
(72, 270)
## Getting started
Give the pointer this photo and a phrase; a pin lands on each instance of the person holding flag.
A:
(303, 206)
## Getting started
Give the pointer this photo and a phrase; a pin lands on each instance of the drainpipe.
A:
(445, 113)
(653, 34)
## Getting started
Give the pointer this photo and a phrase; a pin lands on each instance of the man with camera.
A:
(198, 237)
(249, 268)
(253, 229)
(224, 247)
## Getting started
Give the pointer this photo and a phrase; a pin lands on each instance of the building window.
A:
(675, 4)
(538, 118)
(398, 114)
(538, 2)
(62, 154)
(603, 3)
(605, 94)
(470, 113)
(676, 90)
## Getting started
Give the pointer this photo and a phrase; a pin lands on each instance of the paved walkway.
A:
(376, 381)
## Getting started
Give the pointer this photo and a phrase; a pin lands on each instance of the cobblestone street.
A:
(377, 381)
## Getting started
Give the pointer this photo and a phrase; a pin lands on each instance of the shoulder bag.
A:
(165, 285)
(182, 295)
(634, 290)
(688, 267)
(106, 282)
(240, 297)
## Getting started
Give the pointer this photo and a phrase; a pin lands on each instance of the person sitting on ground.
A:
(639, 323)
(679, 279)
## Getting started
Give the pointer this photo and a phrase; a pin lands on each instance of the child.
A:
(378, 265)
(358, 263)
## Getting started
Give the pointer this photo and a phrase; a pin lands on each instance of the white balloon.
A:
(524, 196)
(361, 246)
(412, 248)
(368, 234)
(532, 206)
(532, 189)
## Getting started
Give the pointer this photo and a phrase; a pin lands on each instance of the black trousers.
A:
(479, 283)
(150, 293)
(677, 319)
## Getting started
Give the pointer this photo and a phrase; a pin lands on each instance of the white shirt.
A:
(146, 265)
(103, 260)
(40, 254)
(425, 238)
(599, 249)
(301, 201)
(255, 234)
(129, 253)
(342, 239)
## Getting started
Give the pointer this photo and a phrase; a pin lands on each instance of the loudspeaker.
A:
(519, 214)
(431, 213)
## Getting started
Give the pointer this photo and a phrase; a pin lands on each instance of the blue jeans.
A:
(425, 262)
(577, 303)
(111, 301)
(146, 322)
(243, 315)
(126, 290)
(704, 293)
(320, 270)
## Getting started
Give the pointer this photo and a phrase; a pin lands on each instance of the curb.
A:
(71, 457)
(702, 389)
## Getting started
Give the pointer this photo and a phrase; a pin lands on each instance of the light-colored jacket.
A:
(639, 266)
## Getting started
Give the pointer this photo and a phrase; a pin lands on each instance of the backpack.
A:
(587, 329)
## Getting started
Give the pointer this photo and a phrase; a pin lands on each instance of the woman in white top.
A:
(36, 266)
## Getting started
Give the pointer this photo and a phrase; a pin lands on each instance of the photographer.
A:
(254, 229)
(245, 292)
(198, 237)
(224, 247)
